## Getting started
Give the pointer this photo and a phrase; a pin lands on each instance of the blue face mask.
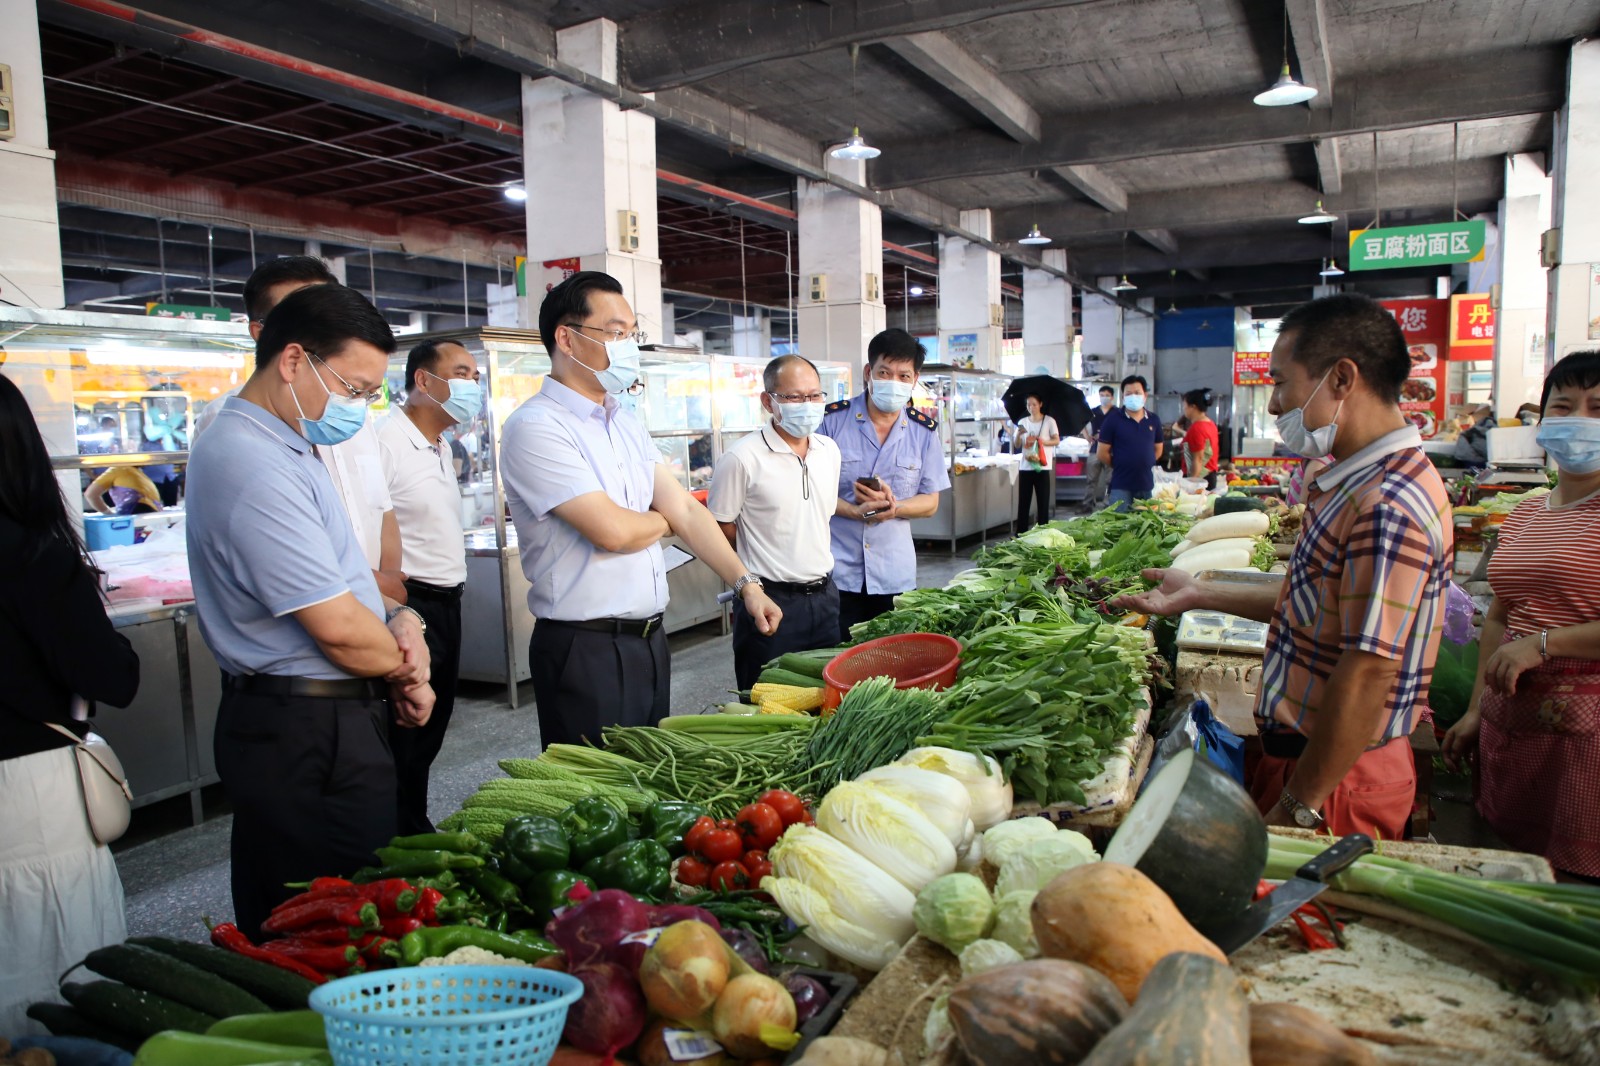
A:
(799, 419)
(890, 396)
(623, 370)
(341, 420)
(1133, 402)
(1573, 442)
(466, 397)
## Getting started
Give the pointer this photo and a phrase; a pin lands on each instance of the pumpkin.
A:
(1286, 1034)
(1113, 919)
(1034, 1013)
(1198, 835)
(1192, 1012)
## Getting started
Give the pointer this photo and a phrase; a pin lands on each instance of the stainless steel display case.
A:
(971, 414)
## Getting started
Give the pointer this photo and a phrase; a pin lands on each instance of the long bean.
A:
(723, 773)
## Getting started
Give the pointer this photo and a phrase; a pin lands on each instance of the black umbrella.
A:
(1062, 402)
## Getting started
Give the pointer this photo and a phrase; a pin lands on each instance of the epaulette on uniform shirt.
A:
(837, 405)
(925, 421)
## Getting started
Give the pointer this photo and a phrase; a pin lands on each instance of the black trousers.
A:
(1033, 487)
(415, 749)
(863, 606)
(312, 786)
(810, 620)
(583, 680)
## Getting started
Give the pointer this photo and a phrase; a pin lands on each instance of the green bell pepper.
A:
(532, 843)
(668, 821)
(593, 827)
(639, 867)
(547, 890)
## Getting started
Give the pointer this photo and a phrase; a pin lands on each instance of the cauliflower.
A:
(471, 956)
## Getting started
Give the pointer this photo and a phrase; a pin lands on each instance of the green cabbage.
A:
(1013, 923)
(954, 910)
(981, 956)
(1006, 839)
(1035, 866)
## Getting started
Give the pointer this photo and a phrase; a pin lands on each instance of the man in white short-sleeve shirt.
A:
(773, 493)
(591, 500)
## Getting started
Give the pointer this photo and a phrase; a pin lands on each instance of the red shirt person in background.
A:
(1201, 441)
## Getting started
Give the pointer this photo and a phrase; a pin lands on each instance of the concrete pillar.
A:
(1102, 334)
(1520, 319)
(752, 335)
(841, 267)
(1139, 343)
(1047, 318)
(28, 225)
(1573, 305)
(590, 171)
(970, 312)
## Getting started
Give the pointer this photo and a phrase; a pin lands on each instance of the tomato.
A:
(727, 823)
(753, 855)
(729, 877)
(760, 825)
(721, 845)
(790, 808)
(693, 872)
(757, 870)
(697, 833)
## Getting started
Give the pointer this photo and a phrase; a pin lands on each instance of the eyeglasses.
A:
(368, 397)
(637, 336)
(798, 397)
(636, 389)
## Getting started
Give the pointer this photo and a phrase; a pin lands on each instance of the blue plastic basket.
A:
(446, 1015)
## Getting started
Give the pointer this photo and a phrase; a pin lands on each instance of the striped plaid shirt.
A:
(1369, 572)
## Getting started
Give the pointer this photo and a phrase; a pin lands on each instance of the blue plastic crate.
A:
(106, 531)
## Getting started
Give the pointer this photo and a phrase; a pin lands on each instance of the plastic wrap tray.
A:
(841, 987)
(1215, 631)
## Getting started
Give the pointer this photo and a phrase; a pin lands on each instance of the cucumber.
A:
(806, 666)
(145, 968)
(190, 1049)
(63, 1020)
(278, 988)
(1232, 504)
(779, 676)
(298, 1028)
(144, 1014)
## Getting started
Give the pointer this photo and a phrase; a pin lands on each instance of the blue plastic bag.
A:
(1196, 727)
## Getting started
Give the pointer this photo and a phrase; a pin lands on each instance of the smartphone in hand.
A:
(871, 482)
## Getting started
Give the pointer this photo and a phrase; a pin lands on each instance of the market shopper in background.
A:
(442, 392)
(60, 897)
(314, 660)
(1534, 719)
(773, 494)
(592, 499)
(892, 469)
(1037, 437)
(354, 464)
(1201, 442)
(1130, 444)
(1356, 626)
(1472, 445)
(1098, 473)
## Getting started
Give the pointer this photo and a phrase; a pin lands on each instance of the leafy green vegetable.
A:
(1453, 675)
(875, 724)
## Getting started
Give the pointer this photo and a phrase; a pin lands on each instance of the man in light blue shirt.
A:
(892, 470)
(289, 607)
(591, 500)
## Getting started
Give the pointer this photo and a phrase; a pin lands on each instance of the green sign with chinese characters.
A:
(192, 312)
(1408, 246)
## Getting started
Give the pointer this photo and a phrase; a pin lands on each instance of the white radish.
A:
(1181, 547)
(1229, 526)
(1228, 559)
(1247, 543)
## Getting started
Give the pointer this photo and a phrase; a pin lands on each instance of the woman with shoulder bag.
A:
(1037, 437)
(60, 896)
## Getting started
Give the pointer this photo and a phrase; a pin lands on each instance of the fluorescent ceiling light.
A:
(856, 147)
(1319, 215)
(158, 357)
(1285, 91)
(1034, 237)
(515, 192)
(1124, 285)
(1331, 270)
(916, 290)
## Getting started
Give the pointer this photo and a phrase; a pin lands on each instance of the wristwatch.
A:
(1304, 817)
(747, 579)
(422, 623)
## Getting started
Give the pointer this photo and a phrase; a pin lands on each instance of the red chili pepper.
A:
(395, 928)
(427, 908)
(394, 898)
(378, 950)
(329, 933)
(324, 957)
(342, 910)
(227, 935)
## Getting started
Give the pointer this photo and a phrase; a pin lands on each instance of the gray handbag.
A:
(106, 796)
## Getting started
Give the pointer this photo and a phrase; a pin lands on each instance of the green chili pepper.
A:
(547, 890)
(639, 868)
(401, 862)
(668, 821)
(593, 827)
(495, 889)
(532, 843)
(436, 941)
(461, 843)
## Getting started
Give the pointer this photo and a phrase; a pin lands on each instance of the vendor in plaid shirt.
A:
(1355, 628)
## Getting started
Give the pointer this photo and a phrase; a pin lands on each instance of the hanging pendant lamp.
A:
(1034, 236)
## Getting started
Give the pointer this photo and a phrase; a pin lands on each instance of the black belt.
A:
(798, 588)
(353, 688)
(434, 592)
(617, 627)
(1283, 745)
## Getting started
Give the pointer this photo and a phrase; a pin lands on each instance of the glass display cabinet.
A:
(983, 483)
(738, 386)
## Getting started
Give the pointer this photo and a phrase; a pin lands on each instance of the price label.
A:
(647, 937)
(687, 1045)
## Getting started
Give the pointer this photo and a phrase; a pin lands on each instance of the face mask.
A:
(1309, 442)
(1134, 402)
(1573, 442)
(890, 396)
(799, 419)
(466, 397)
(624, 364)
(340, 421)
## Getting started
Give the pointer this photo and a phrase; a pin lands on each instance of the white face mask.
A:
(890, 396)
(799, 419)
(624, 358)
(1573, 442)
(1309, 443)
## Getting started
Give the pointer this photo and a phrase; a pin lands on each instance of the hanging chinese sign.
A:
(1471, 327)
(1425, 324)
(1251, 368)
(1409, 246)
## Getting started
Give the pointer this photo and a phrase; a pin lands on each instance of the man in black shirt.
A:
(1098, 473)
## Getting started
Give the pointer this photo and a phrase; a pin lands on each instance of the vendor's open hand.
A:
(1462, 740)
(415, 664)
(1509, 662)
(413, 705)
(762, 610)
(1176, 591)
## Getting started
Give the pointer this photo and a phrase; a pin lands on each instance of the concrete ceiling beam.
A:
(1095, 185)
(1161, 240)
(1308, 29)
(967, 76)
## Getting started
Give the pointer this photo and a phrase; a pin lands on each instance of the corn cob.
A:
(792, 696)
(772, 706)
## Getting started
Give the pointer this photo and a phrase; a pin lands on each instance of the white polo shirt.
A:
(357, 473)
(780, 503)
(421, 482)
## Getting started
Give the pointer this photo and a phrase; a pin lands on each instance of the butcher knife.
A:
(1306, 884)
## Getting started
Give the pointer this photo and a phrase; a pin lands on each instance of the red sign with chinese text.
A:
(1471, 327)
(1250, 368)
(1425, 324)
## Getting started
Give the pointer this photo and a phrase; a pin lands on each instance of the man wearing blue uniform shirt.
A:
(289, 607)
(892, 469)
(1130, 444)
(591, 500)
